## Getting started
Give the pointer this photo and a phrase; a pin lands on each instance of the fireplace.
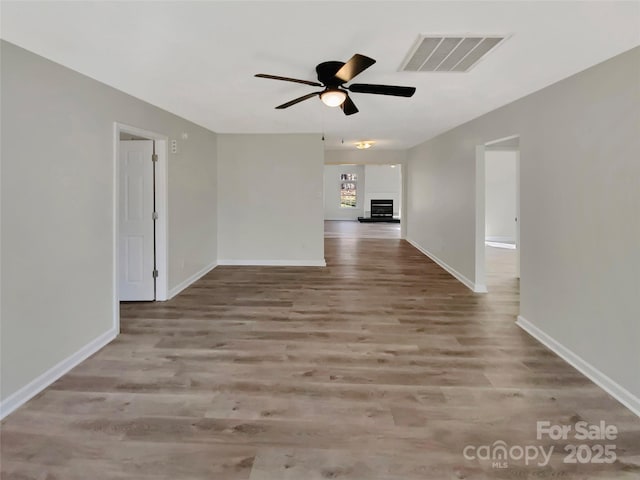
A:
(382, 209)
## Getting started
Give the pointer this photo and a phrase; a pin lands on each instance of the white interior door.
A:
(136, 248)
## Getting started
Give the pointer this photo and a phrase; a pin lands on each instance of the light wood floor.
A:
(355, 229)
(380, 366)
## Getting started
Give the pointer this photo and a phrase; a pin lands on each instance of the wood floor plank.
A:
(380, 366)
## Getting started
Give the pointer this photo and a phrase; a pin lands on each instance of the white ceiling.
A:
(197, 59)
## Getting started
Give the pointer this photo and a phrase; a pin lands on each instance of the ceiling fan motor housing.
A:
(327, 74)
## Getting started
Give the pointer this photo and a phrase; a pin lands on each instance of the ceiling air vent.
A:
(449, 54)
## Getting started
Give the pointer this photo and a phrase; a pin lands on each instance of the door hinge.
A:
(155, 274)
(154, 157)
(155, 215)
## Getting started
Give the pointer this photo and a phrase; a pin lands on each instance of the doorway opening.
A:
(363, 200)
(140, 215)
(498, 213)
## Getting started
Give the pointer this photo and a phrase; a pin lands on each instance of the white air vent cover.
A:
(449, 54)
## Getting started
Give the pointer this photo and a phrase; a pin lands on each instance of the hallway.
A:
(379, 366)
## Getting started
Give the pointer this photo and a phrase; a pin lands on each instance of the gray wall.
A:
(580, 198)
(500, 195)
(270, 206)
(57, 208)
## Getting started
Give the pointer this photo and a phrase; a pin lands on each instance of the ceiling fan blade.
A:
(297, 100)
(356, 65)
(348, 107)
(287, 79)
(394, 90)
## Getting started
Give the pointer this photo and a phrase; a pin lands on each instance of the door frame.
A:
(481, 276)
(162, 224)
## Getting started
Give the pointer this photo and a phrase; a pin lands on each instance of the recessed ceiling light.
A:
(364, 145)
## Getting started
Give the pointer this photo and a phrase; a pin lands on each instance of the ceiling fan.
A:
(333, 75)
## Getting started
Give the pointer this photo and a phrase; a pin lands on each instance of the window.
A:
(348, 190)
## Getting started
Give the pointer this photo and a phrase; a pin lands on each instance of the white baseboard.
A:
(275, 263)
(193, 278)
(508, 246)
(499, 239)
(613, 388)
(31, 389)
(460, 277)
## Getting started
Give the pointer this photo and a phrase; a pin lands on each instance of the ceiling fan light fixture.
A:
(333, 97)
(364, 145)
(332, 76)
